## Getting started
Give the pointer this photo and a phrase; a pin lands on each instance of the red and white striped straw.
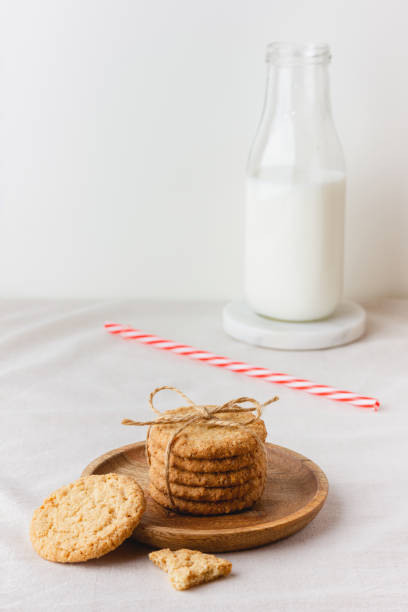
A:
(128, 333)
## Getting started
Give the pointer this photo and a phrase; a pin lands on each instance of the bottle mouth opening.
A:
(289, 54)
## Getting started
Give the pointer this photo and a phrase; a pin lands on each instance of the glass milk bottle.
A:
(295, 192)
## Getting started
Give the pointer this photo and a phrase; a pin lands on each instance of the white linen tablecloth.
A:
(66, 384)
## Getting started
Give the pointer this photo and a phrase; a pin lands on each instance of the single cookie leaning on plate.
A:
(209, 441)
(87, 518)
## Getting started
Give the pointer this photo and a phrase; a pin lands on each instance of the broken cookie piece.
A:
(187, 568)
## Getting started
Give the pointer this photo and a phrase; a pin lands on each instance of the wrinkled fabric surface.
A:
(65, 386)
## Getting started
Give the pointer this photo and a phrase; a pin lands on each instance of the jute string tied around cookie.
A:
(205, 414)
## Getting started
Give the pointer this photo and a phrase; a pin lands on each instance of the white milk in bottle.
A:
(294, 246)
(295, 192)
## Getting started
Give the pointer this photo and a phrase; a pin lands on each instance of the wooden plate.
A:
(295, 491)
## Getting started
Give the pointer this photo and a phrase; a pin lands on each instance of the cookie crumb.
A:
(188, 568)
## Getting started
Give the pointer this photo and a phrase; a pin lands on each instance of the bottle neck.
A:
(296, 133)
(298, 90)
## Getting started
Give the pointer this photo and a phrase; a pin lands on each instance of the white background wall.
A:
(125, 127)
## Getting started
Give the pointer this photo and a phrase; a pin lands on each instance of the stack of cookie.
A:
(211, 469)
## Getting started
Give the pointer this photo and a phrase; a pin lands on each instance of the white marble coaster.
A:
(345, 325)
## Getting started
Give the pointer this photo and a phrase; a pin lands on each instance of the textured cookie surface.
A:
(87, 518)
(187, 568)
(209, 494)
(207, 508)
(226, 464)
(208, 479)
(202, 441)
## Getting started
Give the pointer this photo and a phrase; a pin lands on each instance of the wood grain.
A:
(295, 491)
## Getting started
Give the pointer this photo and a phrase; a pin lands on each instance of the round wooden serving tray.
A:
(296, 489)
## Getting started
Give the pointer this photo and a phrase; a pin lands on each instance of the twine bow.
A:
(206, 414)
